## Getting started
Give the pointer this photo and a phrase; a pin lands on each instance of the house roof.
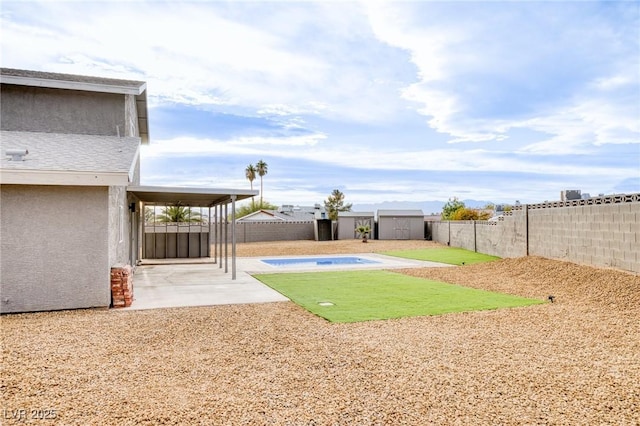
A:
(400, 213)
(84, 83)
(194, 197)
(280, 216)
(68, 159)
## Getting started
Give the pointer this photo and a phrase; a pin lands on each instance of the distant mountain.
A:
(427, 207)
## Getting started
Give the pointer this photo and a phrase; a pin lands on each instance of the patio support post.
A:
(226, 239)
(220, 235)
(215, 233)
(233, 237)
(209, 235)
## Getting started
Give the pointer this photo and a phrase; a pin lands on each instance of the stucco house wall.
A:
(65, 216)
(55, 254)
(120, 226)
(38, 109)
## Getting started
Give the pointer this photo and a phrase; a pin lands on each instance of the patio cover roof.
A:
(193, 197)
(197, 197)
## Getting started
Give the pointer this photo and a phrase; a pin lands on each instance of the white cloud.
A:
(532, 82)
(478, 68)
(247, 55)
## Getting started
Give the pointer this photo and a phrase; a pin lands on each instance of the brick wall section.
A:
(121, 286)
(604, 235)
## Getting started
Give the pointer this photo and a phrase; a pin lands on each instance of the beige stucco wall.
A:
(37, 109)
(119, 226)
(131, 116)
(54, 248)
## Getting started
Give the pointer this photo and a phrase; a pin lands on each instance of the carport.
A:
(217, 202)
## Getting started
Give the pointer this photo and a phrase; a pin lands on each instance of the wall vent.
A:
(17, 154)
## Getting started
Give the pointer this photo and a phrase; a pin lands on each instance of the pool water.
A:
(319, 261)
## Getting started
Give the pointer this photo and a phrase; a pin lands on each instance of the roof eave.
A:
(73, 85)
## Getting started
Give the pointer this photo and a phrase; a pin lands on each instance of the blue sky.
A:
(386, 101)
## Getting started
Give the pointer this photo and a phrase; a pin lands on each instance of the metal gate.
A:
(175, 240)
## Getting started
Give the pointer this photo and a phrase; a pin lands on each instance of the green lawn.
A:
(450, 255)
(352, 296)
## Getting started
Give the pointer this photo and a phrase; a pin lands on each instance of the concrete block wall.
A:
(249, 232)
(606, 235)
(462, 234)
(603, 234)
(506, 238)
(439, 231)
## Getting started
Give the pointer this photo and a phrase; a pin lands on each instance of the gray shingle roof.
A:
(69, 152)
(70, 77)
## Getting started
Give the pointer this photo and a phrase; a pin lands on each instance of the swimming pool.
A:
(318, 261)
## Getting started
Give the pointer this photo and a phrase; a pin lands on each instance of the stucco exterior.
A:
(65, 216)
(39, 109)
(55, 254)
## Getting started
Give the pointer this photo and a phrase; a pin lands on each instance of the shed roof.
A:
(68, 159)
(355, 214)
(84, 83)
(400, 213)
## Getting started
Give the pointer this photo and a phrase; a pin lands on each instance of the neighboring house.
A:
(286, 213)
(349, 221)
(64, 209)
(401, 225)
(71, 206)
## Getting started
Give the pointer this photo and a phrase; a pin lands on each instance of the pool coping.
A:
(254, 265)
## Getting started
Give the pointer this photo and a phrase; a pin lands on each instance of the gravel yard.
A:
(575, 361)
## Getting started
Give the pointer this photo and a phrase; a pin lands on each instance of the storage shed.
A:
(400, 225)
(349, 221)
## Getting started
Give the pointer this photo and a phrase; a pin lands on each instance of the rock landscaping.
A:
(573, 361)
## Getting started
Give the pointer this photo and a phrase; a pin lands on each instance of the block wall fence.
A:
(602, 232)
(251, 232)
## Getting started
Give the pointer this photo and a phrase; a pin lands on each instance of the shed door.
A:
(401, 227)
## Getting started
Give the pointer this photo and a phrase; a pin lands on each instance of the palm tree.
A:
(262, 169)
(250, 173)
(172, 214)
(363, 231)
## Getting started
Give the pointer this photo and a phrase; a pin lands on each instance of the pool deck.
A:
(255, 265)
(171, 283)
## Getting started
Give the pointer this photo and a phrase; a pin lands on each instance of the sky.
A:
(384, 101)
